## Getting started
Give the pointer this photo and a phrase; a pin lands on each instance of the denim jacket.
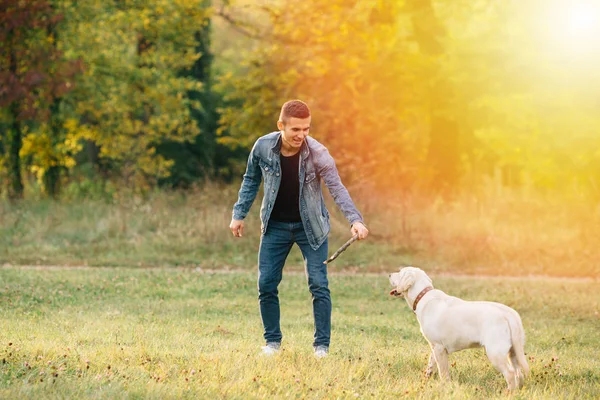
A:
(316, 164)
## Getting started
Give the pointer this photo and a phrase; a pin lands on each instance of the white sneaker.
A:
(270, 349)
(321, 351)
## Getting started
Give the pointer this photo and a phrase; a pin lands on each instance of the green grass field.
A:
(178, 333)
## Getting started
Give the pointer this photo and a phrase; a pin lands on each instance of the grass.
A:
(180, 333)
(491, 233)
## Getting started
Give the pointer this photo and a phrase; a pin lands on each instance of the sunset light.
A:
(576, 25)
(270, 199)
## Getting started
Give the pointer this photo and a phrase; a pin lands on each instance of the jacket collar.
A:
(277, 146)
(304, 151)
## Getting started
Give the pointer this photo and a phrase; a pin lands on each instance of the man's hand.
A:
(358, 228)
(237, 227)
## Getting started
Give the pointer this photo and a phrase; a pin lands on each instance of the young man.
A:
(292, 165)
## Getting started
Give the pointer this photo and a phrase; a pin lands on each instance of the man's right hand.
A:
(237, 227)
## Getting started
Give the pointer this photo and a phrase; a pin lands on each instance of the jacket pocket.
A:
(310, 176)
(266, 168)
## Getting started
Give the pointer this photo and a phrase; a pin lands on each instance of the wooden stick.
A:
(341, 249)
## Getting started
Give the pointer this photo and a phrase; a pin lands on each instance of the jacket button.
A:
(277, 174)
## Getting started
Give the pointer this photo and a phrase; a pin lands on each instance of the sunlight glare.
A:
(579, 25)
(582, 23)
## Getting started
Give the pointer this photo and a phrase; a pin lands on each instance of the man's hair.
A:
(294, 109)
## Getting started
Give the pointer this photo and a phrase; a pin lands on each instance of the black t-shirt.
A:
(287, 204)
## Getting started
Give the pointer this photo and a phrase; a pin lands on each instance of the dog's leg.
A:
(431, 365)
(519, 372)
(441, 358)
(500, 361)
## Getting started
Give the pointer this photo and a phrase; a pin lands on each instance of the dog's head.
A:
(405, 279)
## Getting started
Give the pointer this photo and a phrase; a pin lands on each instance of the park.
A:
(460, 137)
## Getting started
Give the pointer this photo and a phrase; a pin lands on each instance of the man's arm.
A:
(247, 194)
(327, 170)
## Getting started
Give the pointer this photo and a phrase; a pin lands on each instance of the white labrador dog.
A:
(450, 324)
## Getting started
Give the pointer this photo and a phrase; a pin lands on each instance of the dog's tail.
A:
(517, 334)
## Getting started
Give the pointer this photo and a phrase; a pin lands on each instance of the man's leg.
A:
(275, 246)
(318, 285)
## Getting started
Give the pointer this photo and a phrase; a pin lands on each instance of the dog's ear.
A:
(407, 279)
(429, 279)
(424, 275)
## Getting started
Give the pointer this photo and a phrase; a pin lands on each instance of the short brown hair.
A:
(294, 109)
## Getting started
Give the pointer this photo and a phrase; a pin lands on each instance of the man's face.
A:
(295, 130)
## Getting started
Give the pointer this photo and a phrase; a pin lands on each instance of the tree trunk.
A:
(15, 141)
(52, 182)
(52, 175)
(15, 187)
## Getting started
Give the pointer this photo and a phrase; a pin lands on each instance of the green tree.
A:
(134, 95)
(34, 74)
(202, 157)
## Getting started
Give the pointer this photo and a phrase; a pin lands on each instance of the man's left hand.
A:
(358, 228)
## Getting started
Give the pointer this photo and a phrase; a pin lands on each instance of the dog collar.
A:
(420, 296)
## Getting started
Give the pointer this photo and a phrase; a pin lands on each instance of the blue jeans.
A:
(275, 245)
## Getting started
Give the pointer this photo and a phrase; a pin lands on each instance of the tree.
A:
(202, 157)
(135, 95)
(355, 65)
(435, 94)
(33, 73)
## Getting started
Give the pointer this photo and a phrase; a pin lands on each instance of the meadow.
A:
(495, 232)
(181, 333)
(466, 133)
(151, 297)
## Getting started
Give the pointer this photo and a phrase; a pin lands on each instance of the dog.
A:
(450, 324)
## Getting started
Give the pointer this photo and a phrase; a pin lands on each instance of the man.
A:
(292, 165)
